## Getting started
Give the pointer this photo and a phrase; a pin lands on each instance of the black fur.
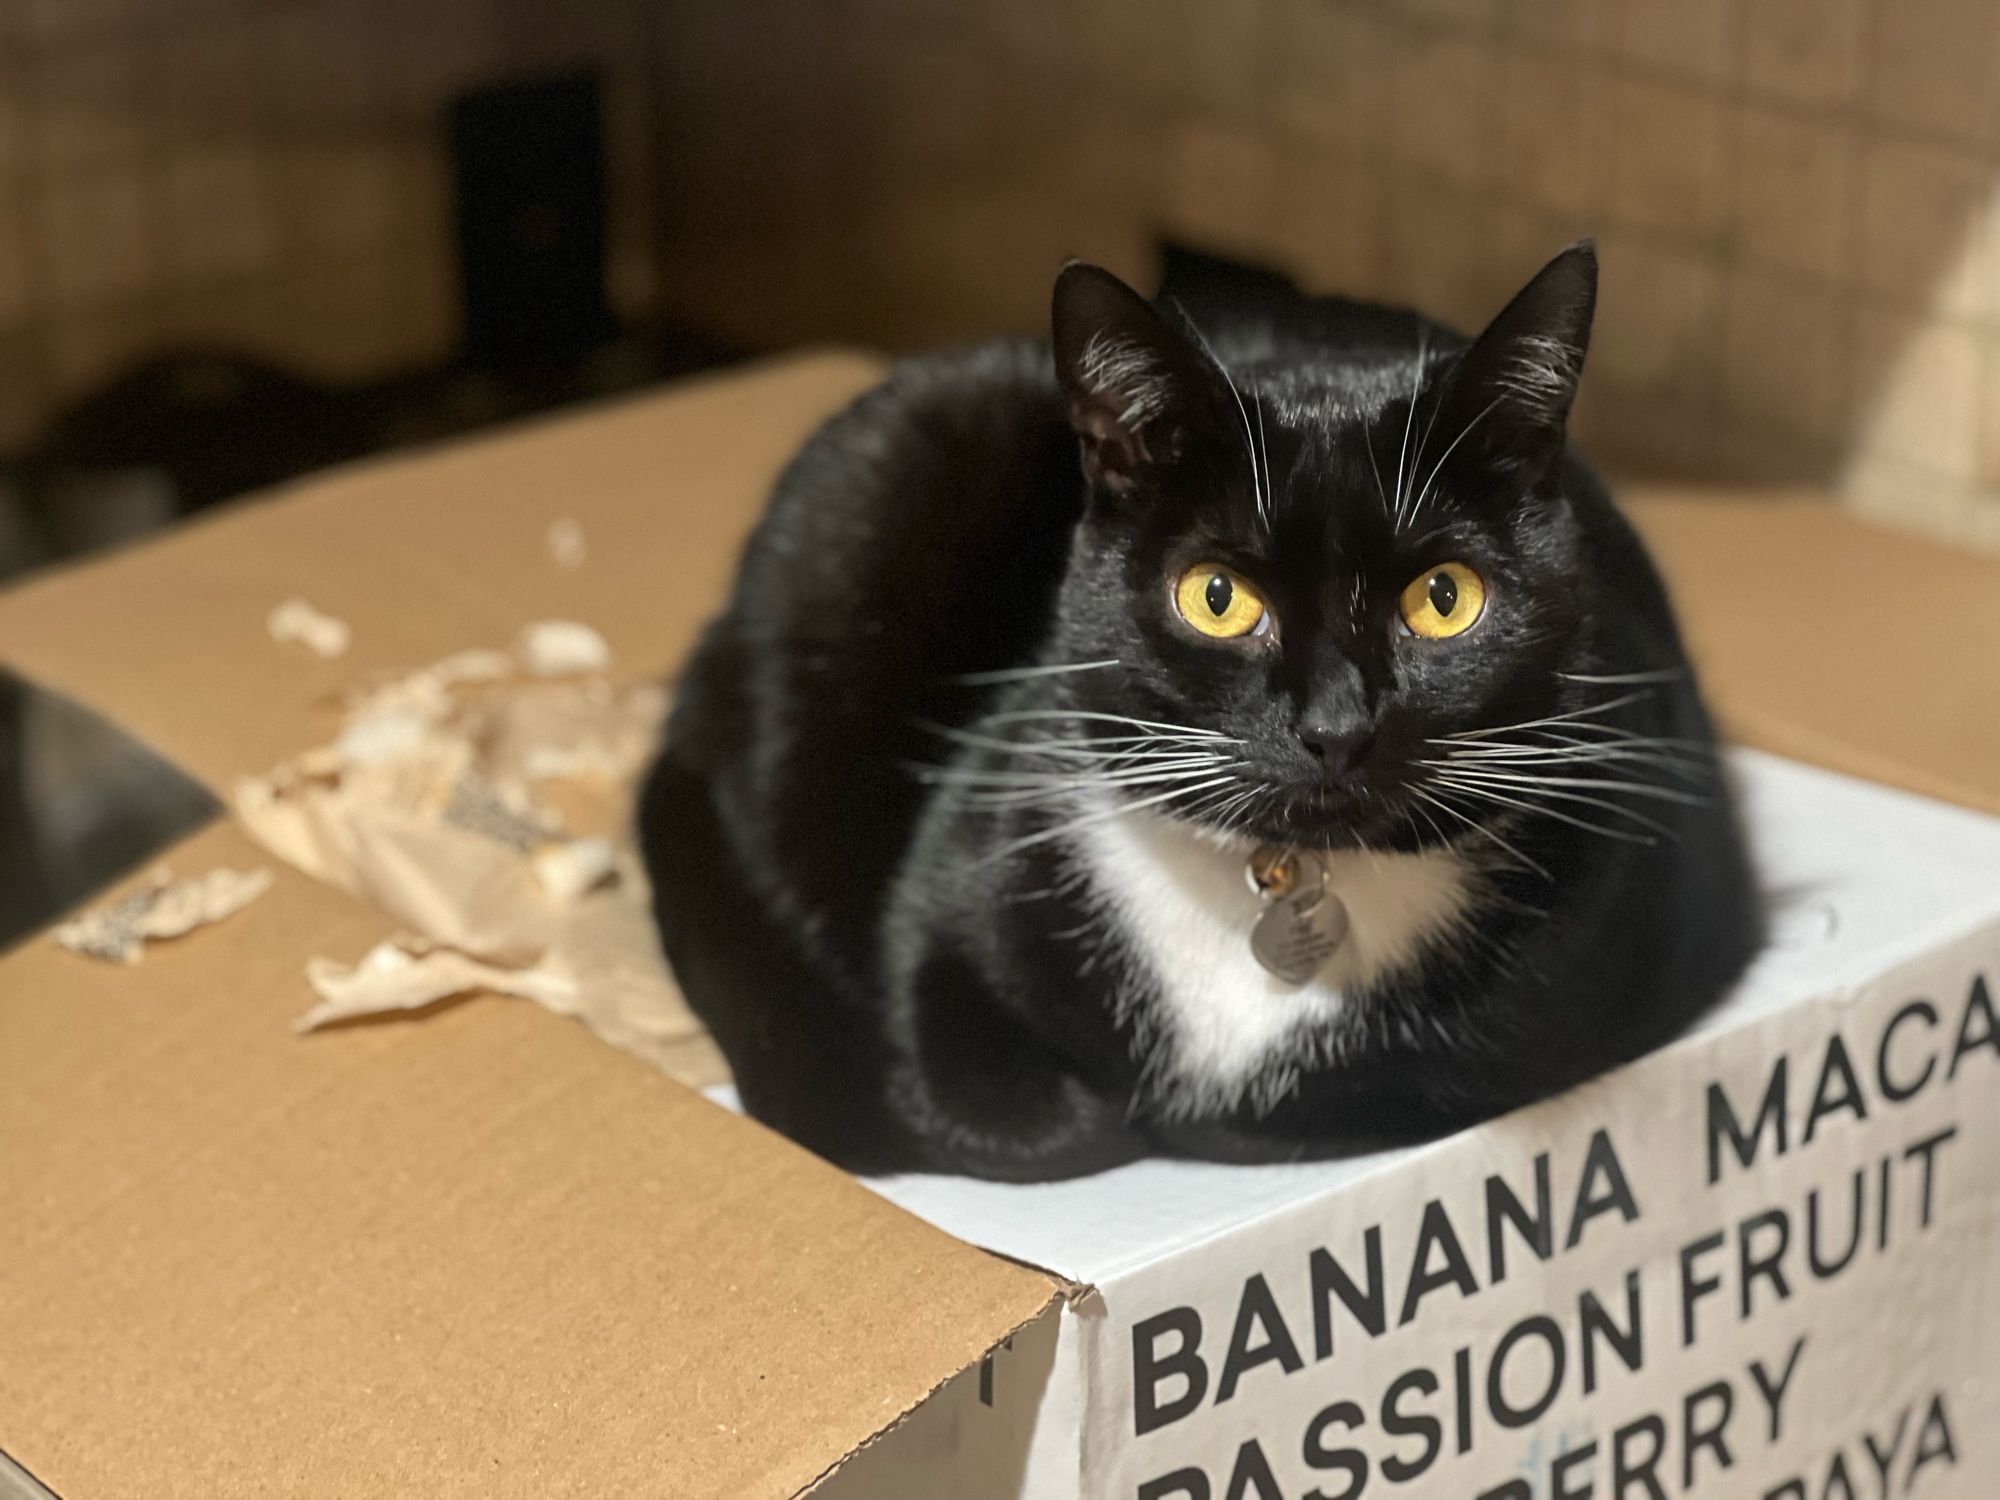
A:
(910, 973)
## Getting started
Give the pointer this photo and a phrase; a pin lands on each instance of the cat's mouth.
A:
(1320, 814)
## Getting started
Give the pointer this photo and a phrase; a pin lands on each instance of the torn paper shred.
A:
(381, 737)
(405, 974)
(504, 815)
(566, 543)
(579, 731)
(161, 908)
(624, 994)
(427, 692)
(112, 932)
(486, 808)
(568, 870)
(180, 906)
(379, 833)
(296, 622)
(562, 648)
(471, 666)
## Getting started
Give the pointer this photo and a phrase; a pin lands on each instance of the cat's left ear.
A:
(1139, 392)
(1511, 391)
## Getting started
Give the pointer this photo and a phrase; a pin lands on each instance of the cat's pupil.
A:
(1218, 594)
(1444, 593)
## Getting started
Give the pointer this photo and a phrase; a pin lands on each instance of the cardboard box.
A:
(1571, 1297)
(485, 1254)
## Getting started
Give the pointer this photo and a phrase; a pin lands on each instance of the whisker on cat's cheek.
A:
(1686, 764)
(1664, 674)
(1030, 715)
(1441, 800)
(1489, 777)
(1533, 805)
(1572, 717)
(1089, 820)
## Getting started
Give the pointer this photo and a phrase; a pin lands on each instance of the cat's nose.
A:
(1338, 747)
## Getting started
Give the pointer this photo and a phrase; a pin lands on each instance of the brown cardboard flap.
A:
(480, 1255)
(422, 556)
(1834, 641)
(484, 1254)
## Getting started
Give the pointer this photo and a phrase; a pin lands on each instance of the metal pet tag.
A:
(1303, 923)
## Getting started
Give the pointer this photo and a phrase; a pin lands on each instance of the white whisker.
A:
(979, 776)
(1218, 806)
(1442, 836)
(1664, 674)
(1264, 450)
(1565, 718)
(1488, 774)
(1062, 793)
(1487, 793)
(1577, 737)
(1368, 445)
(1417, 460)
(1074, 825)
(1409, 421)
(1565, 749)
(1438, 467)
(1440, 800)
(1531, 757)
(1235, 811)
(1249, 441)
(1023, 674)
(1030, 715)
(1129, 747)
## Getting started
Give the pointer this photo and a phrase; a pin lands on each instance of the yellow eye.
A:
(1443, 601)
(1219, 601)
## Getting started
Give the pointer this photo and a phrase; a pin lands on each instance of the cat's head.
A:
(1316, 564)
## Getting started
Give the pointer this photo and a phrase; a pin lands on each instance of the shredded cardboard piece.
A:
(568, 870)
(482, 801)
(566, 544)
(578, 731)
(404, 974)
(296, 622)
(562, 648)
(470, 666)
(503, 814)
(160, 908)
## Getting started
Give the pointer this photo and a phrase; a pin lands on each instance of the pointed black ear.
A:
(1139, 391)
(1511, 391)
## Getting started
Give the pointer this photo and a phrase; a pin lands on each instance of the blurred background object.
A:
(80, 801)
(1795, 199)
(243, 239)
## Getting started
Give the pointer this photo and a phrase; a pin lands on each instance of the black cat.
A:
(1235, 742)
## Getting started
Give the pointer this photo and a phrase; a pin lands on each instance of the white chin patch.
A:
(1227, 1031)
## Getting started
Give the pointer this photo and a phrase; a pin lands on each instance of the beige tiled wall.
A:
(269, 175)
(1795, 199)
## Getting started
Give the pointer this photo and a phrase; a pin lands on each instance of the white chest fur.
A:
(1226, 1029)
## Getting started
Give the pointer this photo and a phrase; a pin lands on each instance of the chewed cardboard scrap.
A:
(160, 908)
(295, 622)
(481, 801)
(407, 974)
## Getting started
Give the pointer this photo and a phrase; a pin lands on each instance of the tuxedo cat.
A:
(1237, 736)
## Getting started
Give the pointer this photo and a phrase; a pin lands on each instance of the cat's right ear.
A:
(1139, 392)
